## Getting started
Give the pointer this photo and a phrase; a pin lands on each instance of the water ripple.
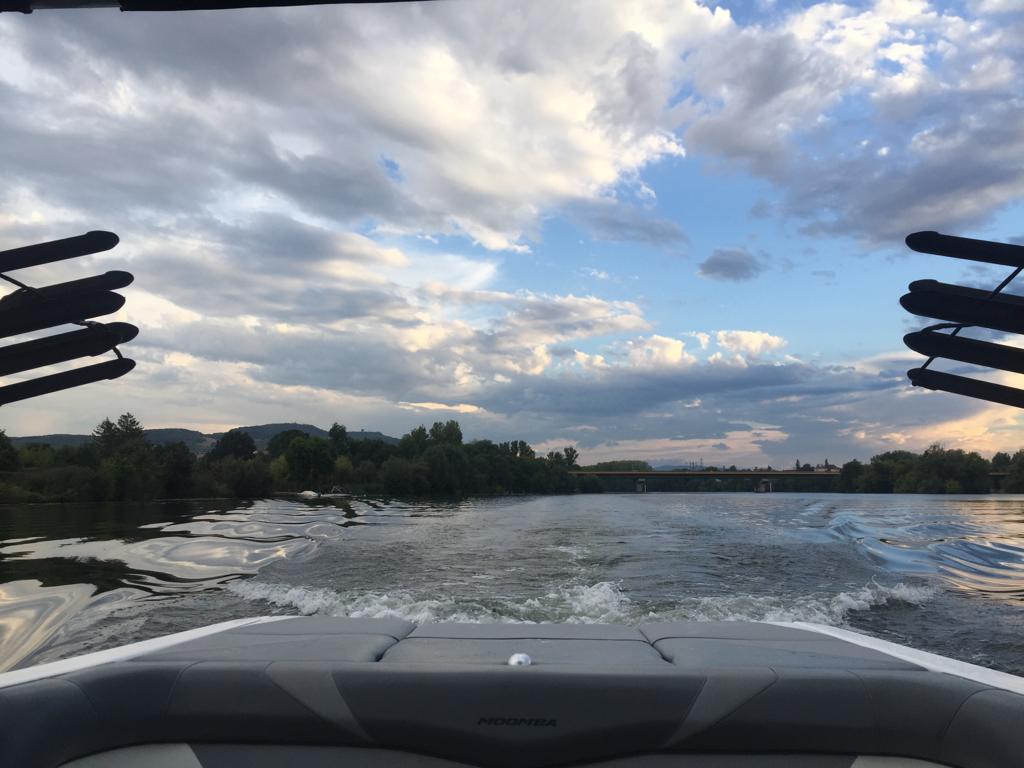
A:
(978, 547)
(912, 569)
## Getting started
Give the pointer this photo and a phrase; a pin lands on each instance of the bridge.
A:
(756, 473)
(764, 477)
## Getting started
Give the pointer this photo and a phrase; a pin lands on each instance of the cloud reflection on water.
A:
(200, 552)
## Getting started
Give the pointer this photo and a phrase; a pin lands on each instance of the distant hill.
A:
(363, 435)
(57, 441)
(262, 433)
(200, 442)
(196, 441)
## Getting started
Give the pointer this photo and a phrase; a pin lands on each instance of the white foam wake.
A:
(600, 603)
(816, 609)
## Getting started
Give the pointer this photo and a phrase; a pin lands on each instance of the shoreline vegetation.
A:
(119, 464)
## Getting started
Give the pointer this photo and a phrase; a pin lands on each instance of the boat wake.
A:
(600, 603)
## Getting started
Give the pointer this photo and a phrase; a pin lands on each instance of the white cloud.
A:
(444, 101)
(453, 408)
(742, 447)
(264, 194)
(658, 351)
(751, 344)
(704, 339)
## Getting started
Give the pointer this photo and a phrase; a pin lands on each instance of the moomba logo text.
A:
(537, 722)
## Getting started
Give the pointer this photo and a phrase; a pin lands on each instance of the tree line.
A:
(118, 463)
(936, 470)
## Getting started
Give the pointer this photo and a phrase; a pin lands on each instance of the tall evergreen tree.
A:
(106, 437)
(129, 428)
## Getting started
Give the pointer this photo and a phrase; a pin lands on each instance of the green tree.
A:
(36, 455)
(522, 449)
(176, 463)
(129, 428)
(343, 469)
(447, 433)
(366, 472)
(448, 468)
(110, 437)
(1014, 482)
(9, 460)
(236, 442)
(888, 472)
(1000, 462)
(338, 436)
(938, 470)
(572, 456)
(375, 451)
(247, 478)
(403, 477)
(130, 474)
(84, 455)
(850, 476)
(280, 472)
(414, 443)
(106, 437)
(278, 444)
(626, 465)
(309, 461)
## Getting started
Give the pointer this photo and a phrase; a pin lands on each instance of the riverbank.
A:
(120, 464)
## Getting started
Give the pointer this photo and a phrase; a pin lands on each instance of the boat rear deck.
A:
(321, 691)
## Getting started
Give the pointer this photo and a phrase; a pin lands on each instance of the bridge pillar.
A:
(641, 485)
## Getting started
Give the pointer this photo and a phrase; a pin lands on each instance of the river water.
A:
(945, 574)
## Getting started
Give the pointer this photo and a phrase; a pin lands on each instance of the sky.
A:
(652, 229)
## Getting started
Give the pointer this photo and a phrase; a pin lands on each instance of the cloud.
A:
(996, 6)
(174, 114)
(280, 107)
(752, 344)
(658, 352)
(827, 275)
(327, 209)
(746, 447)
(455, 408)
(790, 101)
(616, 221)
(734, 264)
(702, 338)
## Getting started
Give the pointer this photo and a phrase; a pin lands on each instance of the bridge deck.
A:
(772, 473)
(757, 473)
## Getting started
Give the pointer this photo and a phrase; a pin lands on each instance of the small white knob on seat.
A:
(519, 660)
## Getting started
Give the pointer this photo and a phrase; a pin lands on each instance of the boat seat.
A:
(318, 691)
(596, 646)
(317, 638)
(732, 645)
(234, 755)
